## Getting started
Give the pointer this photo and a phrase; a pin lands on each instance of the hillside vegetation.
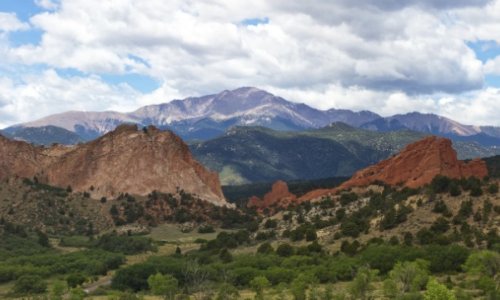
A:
(493, 164)
(377, 242)
(256, 154)
(59, 211)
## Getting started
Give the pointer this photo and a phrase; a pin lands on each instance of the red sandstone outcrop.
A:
(414, 166)
(126, 160)
(18, 158)
(278, 197)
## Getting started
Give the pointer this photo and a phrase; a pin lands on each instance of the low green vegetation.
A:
(29, 261)
(354, 245)
(124, 244)
(377, 269)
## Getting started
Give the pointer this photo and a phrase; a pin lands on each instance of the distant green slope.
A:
(46, 135)
(493, 166)
(251, 154)
(256, 154)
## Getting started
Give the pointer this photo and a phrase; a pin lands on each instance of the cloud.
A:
(47, 4)
(478, 23)
(37, 95)
(388, 56)
(480, 108)
(492, 66)
(200, 47)
(476, 108)
(9, 22)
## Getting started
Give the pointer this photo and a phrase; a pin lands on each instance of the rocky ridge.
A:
(126, 160)
(278, 197)
(415, 166)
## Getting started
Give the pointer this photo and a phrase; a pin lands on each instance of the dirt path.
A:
(102, 282)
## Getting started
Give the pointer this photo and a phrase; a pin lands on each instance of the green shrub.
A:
(347, 198)
(441, 208)
(448, 258)
(311, 235)
(265, 248)
(438, 291)
(124, 244)
(75, 280)
(493, 188)
(441, 225)
(134, 277)
(277, 275)
(440, 184)
(206, 229)
(455, 189)
(362, 284)
(242, 276)
(163, 285)
(284, 250)
(407, 277)
(30, 284)
(270, 223)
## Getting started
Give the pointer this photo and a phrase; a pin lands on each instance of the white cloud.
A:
(480, 108)
(476, 108)
(201, 46)
(387, 56)
(35, 96)
(10, 22)
(478, 23)
(492, 66)
(47, 4)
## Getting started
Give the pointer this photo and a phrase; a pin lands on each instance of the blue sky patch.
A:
(485, 50)
(255, 21)
(32, 36)
(139, 82)
(492, 80)
(24, 9)
(70, 72)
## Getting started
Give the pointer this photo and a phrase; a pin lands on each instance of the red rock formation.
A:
(413, 167)
(126, 160)
(278, 197)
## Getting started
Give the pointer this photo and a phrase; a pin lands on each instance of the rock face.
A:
(418, 164)
(126, 160)
(413, 167)
(278, 197)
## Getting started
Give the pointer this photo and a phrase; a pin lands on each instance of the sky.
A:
(387, 56)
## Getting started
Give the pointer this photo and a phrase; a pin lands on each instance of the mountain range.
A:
(207, 117)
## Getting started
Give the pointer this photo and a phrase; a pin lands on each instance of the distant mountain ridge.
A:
(46, 135)
(258, 154)
(415, 166)
(207, 117)
(437, 125)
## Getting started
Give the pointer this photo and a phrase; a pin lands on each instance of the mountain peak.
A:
(248, 90)
(206, 117)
